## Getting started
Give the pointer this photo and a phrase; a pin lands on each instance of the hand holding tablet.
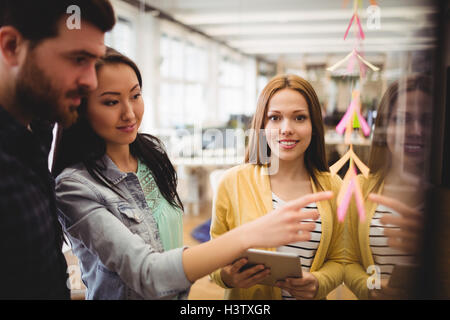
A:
(277, 224)
(275, 266)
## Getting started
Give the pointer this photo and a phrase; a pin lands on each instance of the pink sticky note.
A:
(351, 63)
(349, 25)
(340, 128)
(343, 206)
(362, 70)
(361, 32)
(359, 201)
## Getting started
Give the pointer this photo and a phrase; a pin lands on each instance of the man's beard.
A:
(38, 97)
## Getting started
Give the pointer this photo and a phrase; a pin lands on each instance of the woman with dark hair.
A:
(285, 159)
(118, 204)
(394, 191)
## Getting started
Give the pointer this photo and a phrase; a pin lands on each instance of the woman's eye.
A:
(136, 96)
(274, 118)
(300, 118)
(110, 103)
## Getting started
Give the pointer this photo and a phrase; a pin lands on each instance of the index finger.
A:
(299, 203)
(394, 204)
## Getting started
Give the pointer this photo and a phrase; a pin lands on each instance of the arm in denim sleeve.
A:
(151, 274)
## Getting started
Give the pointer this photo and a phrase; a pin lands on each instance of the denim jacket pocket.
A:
(130, 213)
(134, 221)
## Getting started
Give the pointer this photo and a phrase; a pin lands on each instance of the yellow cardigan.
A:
(357, 244)
(244, 194)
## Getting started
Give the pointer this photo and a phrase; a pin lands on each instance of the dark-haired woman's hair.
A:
(80, 144)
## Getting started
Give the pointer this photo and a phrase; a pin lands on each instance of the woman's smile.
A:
(288, 143)
(127, 129)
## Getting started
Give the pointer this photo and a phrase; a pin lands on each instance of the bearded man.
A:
(46, 67)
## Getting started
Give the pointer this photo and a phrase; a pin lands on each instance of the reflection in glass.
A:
(384, 248)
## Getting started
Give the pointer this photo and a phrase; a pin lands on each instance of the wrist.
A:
(242, 238)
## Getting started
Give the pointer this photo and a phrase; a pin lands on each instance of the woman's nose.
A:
(286, 127)
(416, 127)
(128, 112)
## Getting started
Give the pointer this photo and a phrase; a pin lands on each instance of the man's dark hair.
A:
(37, 20)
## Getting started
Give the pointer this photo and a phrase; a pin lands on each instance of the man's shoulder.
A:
(10, 163)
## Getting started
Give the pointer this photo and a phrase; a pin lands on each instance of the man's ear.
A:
(12, 45)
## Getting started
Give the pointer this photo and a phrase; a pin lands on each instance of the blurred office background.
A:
(204, 62)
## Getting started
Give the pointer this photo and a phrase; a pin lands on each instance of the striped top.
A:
(306, 250)
(384, 256)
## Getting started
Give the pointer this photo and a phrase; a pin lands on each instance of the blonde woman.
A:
(285, 159)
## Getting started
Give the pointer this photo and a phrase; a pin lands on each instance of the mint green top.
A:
(168, 218)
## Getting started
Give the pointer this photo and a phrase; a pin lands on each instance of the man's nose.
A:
(88, 78)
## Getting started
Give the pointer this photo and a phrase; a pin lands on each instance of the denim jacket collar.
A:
(111, 170)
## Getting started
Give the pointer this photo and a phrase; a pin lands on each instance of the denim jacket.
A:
(116, 240)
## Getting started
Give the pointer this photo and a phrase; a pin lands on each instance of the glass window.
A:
(231, 89)
(122, 38)
(183, 70)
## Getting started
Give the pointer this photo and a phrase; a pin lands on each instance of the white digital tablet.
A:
(282, 264)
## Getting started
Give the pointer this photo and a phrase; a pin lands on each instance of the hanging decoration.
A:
(352, 119)
(351, 57)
